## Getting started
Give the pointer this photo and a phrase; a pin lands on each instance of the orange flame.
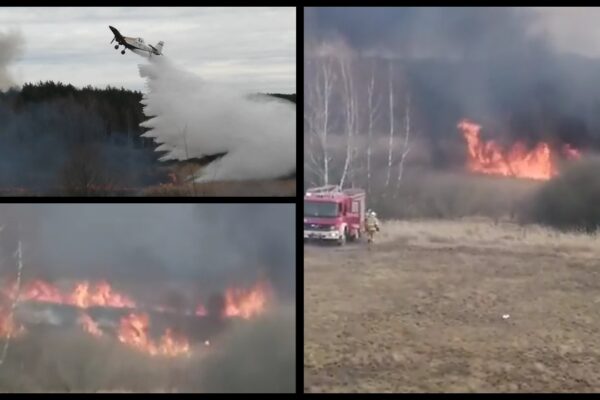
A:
(100, 295)
(8, 326)
(246, 303)
(134, 332)
(133, 329)
(490, 158)
(83, 296)
(40, 291)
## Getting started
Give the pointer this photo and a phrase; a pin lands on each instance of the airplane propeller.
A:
(111, 42)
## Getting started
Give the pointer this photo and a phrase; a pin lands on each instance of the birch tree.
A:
(350, 113)
(391, 137)
(405, 144)
(317, 108)
(372, 111)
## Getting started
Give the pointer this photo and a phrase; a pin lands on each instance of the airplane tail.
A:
(159, 46)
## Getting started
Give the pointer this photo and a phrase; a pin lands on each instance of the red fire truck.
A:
(333, 214)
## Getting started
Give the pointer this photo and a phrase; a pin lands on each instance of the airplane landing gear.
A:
(123, 52)
(116, 47)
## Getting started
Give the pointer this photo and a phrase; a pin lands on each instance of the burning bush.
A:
(569, 202)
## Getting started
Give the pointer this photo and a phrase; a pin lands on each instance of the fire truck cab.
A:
(333, 214)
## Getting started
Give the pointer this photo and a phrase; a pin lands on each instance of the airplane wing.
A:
(118, 37)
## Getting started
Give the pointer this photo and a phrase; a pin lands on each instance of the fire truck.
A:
(333, 214)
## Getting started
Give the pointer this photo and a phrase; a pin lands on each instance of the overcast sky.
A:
(571, 29)
(252, 48)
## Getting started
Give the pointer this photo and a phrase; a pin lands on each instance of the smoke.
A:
(43, 146)
(11, 48)
(496, 66)
(423, 32)
(209, 246)
(193, 118)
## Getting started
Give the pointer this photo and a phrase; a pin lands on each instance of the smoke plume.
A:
(11, 48)
(496, 66)
(193, 118)
(209, 246)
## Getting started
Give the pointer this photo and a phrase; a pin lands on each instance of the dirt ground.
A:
(423, 310)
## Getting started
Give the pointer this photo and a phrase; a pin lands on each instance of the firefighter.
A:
(371, 225)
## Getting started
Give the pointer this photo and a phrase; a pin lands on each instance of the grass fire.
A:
(517, 161)
(180, 300)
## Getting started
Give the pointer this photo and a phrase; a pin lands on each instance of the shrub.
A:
(570, 201)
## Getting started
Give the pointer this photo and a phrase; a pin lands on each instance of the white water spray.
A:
(193, 118)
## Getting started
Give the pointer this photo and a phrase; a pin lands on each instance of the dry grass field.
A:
(256, 188)
(251, 356)
(422, 311)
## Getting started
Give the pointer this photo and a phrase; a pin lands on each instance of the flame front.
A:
(133, 331)
(133, 328)
(83, 295)
(99, 295)
(39, 291)
(490, 158)
(246, 303)
(8, 325)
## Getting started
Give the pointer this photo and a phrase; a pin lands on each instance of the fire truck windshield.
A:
(320, 209)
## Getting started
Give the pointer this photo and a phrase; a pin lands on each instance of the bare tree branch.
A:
(317, 112)
(391, 140)
(350, 113)
(372, 116)
(405, 144)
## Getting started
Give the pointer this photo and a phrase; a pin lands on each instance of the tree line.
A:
(55, 137)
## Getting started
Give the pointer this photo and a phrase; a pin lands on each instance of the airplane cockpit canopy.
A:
(140, 40)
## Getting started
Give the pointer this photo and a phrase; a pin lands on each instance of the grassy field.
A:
(423, 310)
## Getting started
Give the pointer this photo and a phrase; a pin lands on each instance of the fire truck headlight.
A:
(333, 228)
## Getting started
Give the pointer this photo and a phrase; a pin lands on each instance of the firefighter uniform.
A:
(371, 225)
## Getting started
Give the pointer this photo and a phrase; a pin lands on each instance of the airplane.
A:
(136, 45)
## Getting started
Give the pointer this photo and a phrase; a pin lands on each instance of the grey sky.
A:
(251, 48)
